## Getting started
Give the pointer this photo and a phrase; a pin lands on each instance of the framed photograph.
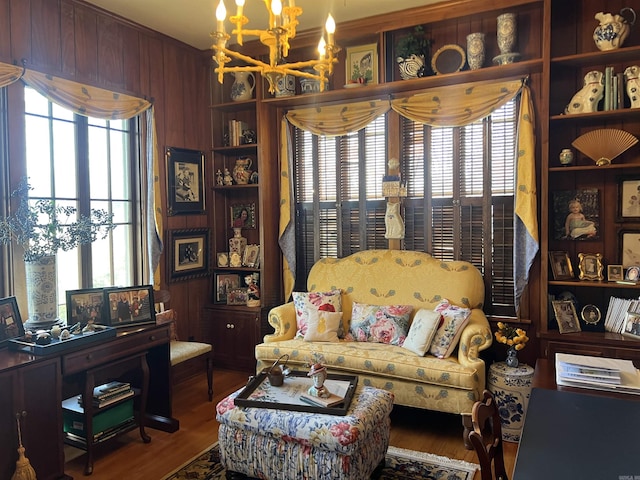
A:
(243, 215)
(566, 316)
(615, 273)
(188, 255)
(129, 305)
(224, 283)
(185, 181)
(590, 266)
(251, 256)
(85, 306)
(362, 63)
(560, 265)
(633, 274)
(576, 214)
(10, 321)
(629, 199)
(632, 325)
(590, 314)
(237, 296)
(629, 248)
(223, 259)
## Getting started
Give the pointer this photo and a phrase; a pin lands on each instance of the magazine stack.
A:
(597, 373)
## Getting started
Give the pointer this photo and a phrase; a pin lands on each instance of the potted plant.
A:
(43, 228)
(411, 52)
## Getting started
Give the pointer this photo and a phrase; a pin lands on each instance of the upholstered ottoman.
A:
(287, 445)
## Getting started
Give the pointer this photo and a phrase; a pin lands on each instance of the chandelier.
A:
(281, 29)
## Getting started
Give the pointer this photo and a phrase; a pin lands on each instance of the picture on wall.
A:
(185, 181)
(630, 248)
(243, 215)
(188, 253)
(576, 214)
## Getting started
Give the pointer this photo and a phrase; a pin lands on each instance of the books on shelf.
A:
(236, 129)
(109, 393)
(597, 373)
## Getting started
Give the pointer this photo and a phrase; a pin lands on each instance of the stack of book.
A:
(597, 373)
(109, 393)
(236, 130)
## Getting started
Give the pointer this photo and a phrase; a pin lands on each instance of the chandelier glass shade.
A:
(281, 30)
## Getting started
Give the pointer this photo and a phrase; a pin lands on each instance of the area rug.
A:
(401, 464)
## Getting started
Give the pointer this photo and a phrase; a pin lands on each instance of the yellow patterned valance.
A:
(85, 99)
(457, 105)
(333, 120)
(9, 74)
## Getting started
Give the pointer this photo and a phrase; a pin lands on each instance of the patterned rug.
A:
(401, 464)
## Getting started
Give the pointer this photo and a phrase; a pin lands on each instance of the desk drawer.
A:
(122, 346)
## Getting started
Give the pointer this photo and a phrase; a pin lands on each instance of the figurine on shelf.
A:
(228, 180)
(219, 180)
(587, 98)
(318, 374)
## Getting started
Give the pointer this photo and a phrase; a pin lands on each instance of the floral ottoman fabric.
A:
(287, 445)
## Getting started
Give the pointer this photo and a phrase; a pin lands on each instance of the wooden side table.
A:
(511, 388)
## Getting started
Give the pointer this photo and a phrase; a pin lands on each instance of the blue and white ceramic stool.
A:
(511, 388)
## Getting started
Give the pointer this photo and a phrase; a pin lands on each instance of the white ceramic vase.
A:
(242, 88)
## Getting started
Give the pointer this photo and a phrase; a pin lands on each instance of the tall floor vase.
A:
(42, 297)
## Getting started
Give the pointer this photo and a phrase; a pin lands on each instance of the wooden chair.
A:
(486, 438)
(186, 355)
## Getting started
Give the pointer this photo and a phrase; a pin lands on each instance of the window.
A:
(87, 163)
(460, 186)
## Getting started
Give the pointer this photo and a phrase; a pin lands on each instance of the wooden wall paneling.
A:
(110, 53)
(133, 58)
(67, 38)
(5, 32)
(20, 30)
(45, 33)
(86, 46)
(174, 104)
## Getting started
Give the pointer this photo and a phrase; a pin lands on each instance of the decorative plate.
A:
(448, 59)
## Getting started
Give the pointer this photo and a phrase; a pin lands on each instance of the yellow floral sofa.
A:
(385, 277)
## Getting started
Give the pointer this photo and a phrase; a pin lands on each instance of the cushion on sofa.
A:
(305, 302)
(323, 326)
(423, 328)
(455, 318)
(380, 323)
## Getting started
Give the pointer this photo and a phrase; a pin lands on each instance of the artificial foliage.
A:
(414, 43)
(43, 227)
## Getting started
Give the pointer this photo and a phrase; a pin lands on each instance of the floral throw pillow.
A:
(423, 328)
(305, 302)
(380, 324)
(454, 319)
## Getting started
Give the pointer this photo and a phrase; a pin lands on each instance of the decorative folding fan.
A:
(605, 144)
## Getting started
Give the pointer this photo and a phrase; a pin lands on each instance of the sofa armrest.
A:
(475, 337)
(283, 320)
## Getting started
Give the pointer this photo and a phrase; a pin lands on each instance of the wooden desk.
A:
(578, 435)
(36, 385)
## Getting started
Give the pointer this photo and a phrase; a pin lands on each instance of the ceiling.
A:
(191, 21)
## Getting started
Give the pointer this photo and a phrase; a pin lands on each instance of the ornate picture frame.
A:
(129, 306)
(590, 266)
(362, 62)
(10, 320)
(188, 255)
(251, 257)
(185, 181)
(566, 316)
(560, 265)
(237, 296)
(85, 306)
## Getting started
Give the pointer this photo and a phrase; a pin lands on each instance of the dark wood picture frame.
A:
(223, 284)
(628, 198)
(188, 255)
(127, 306)
(629, 247)
(85, 306)
(560, 265)
(185, 181)
(10, 321)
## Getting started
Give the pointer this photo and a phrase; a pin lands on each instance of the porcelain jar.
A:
(243, 85)
(242, 170)
(286, 86)
(42, 298)
(566, 157)
(475, 50)
(613, 29)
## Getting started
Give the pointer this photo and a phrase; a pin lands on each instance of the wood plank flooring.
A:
(128, 458)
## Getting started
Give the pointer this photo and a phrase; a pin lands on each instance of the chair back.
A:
(486, 438)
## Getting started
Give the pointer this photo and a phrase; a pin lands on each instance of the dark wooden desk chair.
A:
(486, 438)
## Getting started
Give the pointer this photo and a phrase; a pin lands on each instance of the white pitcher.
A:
(242, 88)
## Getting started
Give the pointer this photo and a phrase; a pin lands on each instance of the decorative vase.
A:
(566, 157)
(237, 243)
(411, 67)
(475, 50)
(612, 30)
(286, 86)
(242, 88)
(512, 357)
(42, 298)
(506, 35)
(511, 388)
(242, 170)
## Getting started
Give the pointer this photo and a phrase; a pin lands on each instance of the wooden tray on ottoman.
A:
(259, 393)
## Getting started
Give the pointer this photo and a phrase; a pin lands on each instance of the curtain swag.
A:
(448, 106)
(108, 105)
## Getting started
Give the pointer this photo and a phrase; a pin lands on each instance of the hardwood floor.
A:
(127, 457)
